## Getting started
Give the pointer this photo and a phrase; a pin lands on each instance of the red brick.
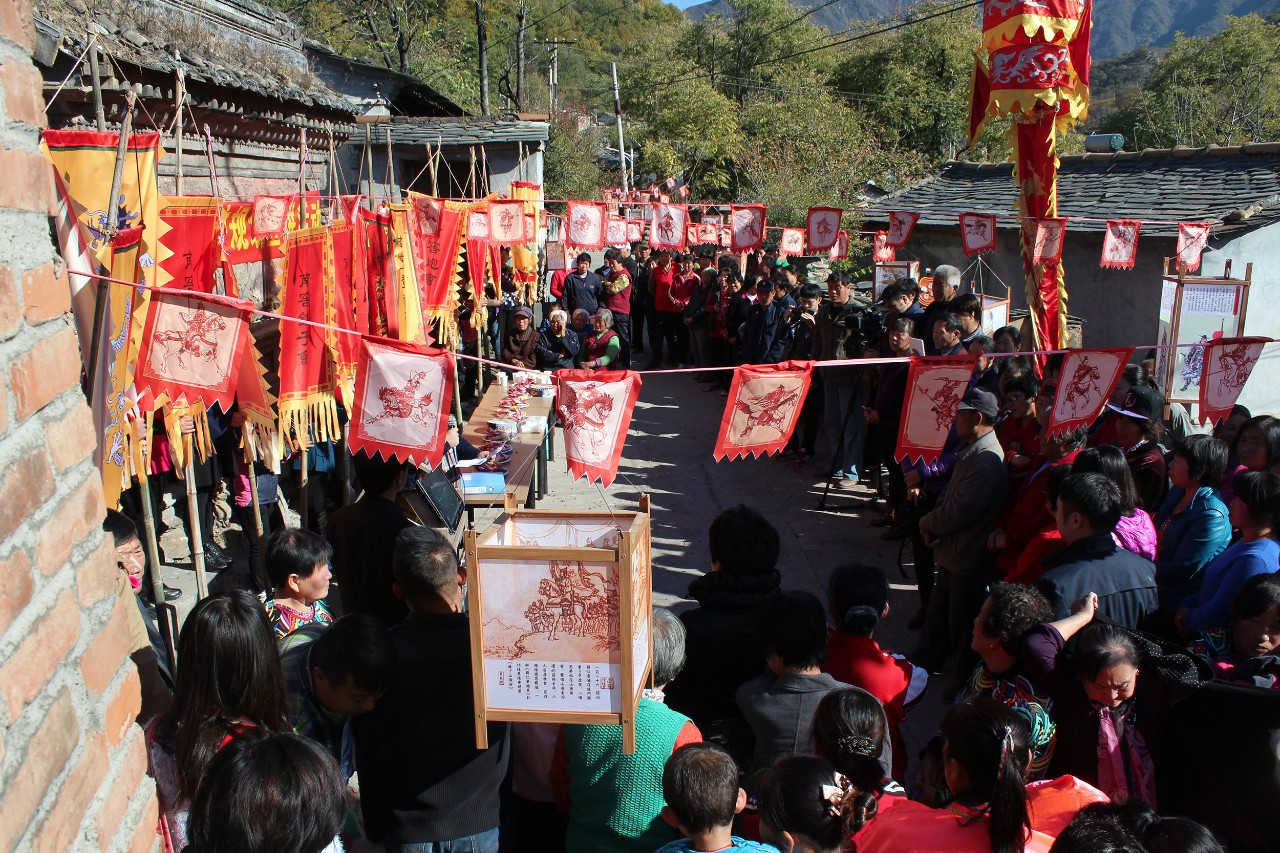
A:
(110, 648)
(70, 439)
(32, 664)
(99, 575)
(132, 770)
(144, 834)
(45, 293)
(27, 183)
(47, 753)
(122, 708)
(16, 571)
(45, 371)
(23, 93)
(60, 827)
(15, 23)
(10, 306)
(23, 487)
(77, 514)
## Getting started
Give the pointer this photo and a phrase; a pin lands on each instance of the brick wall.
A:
(72, 761)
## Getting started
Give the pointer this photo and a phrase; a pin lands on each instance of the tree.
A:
(570, 168)
(1222, 90)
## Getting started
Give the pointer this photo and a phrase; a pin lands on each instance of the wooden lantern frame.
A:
(635, 599)
(1167, 367)
(887, 272)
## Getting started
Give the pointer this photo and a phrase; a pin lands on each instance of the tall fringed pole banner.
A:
(1034, 69)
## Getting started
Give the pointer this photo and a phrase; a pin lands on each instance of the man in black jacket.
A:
(582, 288)
(767, 335)
(422, 779)
(1088, 511)
(363, 538)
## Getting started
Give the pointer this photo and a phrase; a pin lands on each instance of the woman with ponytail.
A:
(985, 754)
(807, 806)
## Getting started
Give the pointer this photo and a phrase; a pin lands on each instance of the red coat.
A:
(661, 283)
(1027, 514)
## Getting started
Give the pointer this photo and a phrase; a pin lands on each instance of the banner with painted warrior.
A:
(1050, 234)
(271, 215)
(748, 222)
(791, 242)
(191, 348)
(595, 410)
(668, 228)
(822, 228)
(708, 232)
(401, 404)
(1120, 245)
(1226, 366)
(1084, 386)
(306, 403)
(478, 223)
(506, 223)
(188, 254)
(977, 233)
(691, 234)
(881, 251)
(901, 224)
(615, 231)
(840, 250)
(934, 389)
(635, 231)
(1193, 237)
(763, 408)
(585, 224)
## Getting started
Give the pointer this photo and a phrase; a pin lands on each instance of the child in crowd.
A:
(858, 601)
(805, 805)
(298, 567)
(700, 786)
(1248, 650)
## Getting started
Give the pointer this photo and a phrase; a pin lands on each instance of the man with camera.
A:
(839, 333)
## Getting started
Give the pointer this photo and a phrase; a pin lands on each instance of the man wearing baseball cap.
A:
(1138, 432)
(957, 530)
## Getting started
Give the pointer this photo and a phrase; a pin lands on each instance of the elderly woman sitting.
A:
(558, 345)
(603, 348)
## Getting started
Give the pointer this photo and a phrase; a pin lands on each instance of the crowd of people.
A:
(1088, 604)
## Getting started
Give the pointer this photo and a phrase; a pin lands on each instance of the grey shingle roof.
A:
(1238, 186)
(481, 130)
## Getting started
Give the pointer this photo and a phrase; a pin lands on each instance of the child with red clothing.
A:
(858, 599)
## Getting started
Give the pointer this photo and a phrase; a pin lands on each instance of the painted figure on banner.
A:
(1082, 389)
(506, 222)
(586, 224)
(1228, 364)
(478, 225)
(977, 233)
(404, 402)
(1049, 236)
(1193, 361)
(615, 231)
(792, 242)
(100, 227)
(708, 232)
(1120, 245)
(1193, 237)
(196, 335)
(270, 214)
(635, 231)
(1235, 365)
(840, 250)
(402, 399)
(901, 224)
(587, 411)
(427, 212)
(748, 227)
(771, 411)
(669, 224)
(945, 396)
(881, 251)
(1087, 379)
(822, 227)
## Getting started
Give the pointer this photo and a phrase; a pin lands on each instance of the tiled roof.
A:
(1237, 186)
(481, 130)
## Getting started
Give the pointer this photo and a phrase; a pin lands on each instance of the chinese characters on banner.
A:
(1227, 363)
(188, 254)
(764, 404)
(1120, 245)
(595, 408)
(901, 224)
(1192, 239)
(934, 389)
(748, 223)
(977, 233)
(1049, 237)
(822, 228)
(191, 348)
(1084, 385)
(792, 242)
(402, 398)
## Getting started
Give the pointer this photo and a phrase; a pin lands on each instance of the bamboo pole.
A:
(180, 97)
(163, 609)
(195, 533)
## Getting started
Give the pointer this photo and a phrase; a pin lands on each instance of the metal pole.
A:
(99, 110)
(391, 173)
(553, 78)
(617, 114)
(482, 42)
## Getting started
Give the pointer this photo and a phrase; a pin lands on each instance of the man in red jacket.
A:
(668, 321)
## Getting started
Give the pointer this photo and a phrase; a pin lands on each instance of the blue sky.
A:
(684, 4)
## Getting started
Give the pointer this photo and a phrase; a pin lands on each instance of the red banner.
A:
(191, 348)
(840, 250)
(1084, 385)
(934, 389)
(242, 246)
(791, 242)
(506, 223)
(881, 251)
(478, 223)
(585, 223)
(1226, 366)
(1192, 239)
(748, 223)
(271, 215)
(373, 238)
(339, 309)
(668, 227)
(1120, 245)
(402, 398)
(615, 231)
(433, 231)
(822, 228)
(188, 254)
(901, 224)
(1049, 239)
(306, 383)
(763, 408)
(977, 233)
(595, 410)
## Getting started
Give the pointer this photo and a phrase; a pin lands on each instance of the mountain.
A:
(1119, 25)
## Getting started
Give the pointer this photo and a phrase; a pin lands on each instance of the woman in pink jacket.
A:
(1135, 532)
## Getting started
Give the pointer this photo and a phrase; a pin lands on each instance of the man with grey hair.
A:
(946, 284)
(614, 801)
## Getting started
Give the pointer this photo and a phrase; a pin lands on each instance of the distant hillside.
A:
(1120, 25)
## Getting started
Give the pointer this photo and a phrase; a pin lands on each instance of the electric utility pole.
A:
(617, 114)
(520, 16)
(553, 71)
(482, 42)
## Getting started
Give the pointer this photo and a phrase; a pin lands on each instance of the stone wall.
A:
(72, 760)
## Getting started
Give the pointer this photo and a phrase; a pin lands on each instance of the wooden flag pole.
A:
(164, 610)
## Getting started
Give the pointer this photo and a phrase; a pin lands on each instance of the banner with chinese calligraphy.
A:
(1226, 366)
(585, 224)
(243, 246)
(595, 410)
(411, 325)
(373, 236)
(307, 407)
(191, 348)
(1120, 245)
(881, 251)
(667, 230)
(748, 222)
(791, 242)
(840, 250)
(187, 254)
(901, 224)
(1192, 239)
(339, 308)
(934, 389)
(977, 233)
(436, 242)
(822, 228)
(401, 404)
(764, 405)
(1084, 385)
(1049, 240)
